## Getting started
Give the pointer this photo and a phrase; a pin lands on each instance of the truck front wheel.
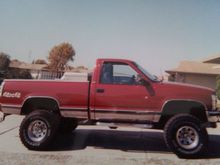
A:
(37, 129)
(184, 135)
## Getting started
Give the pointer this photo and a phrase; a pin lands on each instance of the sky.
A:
(157, 34)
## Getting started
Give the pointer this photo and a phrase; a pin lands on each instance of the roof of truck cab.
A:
(113, 60)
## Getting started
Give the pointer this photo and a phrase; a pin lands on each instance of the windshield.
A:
(150, 76)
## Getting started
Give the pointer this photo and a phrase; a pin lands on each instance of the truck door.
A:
(119, 95)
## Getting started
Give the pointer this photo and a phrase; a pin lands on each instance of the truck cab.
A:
(136, 99)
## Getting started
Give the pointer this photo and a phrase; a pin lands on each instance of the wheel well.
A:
(173, 108)
(32, 104)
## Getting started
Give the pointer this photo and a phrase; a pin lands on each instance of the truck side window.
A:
(107, 74)
(118, 73)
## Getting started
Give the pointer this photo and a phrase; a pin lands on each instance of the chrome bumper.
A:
(214, 113)
(213, 116)
(2, 116)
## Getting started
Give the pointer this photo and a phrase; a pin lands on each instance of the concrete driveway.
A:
(99, 145)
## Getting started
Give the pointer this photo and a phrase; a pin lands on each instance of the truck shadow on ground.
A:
(128, 141)
(111, 139)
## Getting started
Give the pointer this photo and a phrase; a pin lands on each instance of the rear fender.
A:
(36, 102)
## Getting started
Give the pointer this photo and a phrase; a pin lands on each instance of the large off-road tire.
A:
(184, 136)
(67, 125)
(38, 129)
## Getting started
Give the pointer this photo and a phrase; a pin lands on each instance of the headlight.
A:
(214, 102)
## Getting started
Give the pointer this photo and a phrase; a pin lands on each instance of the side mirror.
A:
(147, 86)
(144, 82)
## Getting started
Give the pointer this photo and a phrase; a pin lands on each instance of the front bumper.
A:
(213, 113)
(213, 116)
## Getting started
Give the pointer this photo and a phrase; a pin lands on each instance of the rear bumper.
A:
(11, 109)
(1, 114)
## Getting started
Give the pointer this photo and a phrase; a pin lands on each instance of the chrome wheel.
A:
(187, 137)
(37, 130)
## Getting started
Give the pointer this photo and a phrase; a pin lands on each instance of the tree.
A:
(60, 55)
(4, 61)
(39, 61)
(24, 74)
(18, 74)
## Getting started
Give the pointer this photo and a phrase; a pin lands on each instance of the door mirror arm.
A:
(141, 81)
(147, 85)
(144, 82)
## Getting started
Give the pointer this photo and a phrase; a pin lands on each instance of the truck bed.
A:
(69, 95)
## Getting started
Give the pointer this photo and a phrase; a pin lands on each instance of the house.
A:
(212, 60)
(202, 73)
(38, 71)
(41, 71)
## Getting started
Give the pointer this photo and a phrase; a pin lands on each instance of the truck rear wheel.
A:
(67, 125)
(37, 129)
(184, 135)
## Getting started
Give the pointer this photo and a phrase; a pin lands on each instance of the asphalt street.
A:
(99, 145)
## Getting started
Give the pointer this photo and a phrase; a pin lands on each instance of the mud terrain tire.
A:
(38, 129)
(184, 136)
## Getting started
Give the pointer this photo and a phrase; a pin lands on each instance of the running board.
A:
(116, 125)
(113, 124)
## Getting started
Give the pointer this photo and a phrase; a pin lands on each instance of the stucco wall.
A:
(200, 79)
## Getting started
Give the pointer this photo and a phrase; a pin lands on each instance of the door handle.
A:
(100, 90)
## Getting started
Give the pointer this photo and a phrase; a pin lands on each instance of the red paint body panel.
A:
(68, 94)
(177, 91)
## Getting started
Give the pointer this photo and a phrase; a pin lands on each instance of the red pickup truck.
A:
(118, 92)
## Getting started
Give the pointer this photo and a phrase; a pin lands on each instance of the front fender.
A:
(174, 107)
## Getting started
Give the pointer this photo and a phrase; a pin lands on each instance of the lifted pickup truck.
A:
(118, 92)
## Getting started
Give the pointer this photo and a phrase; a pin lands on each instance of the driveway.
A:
(99, 145)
